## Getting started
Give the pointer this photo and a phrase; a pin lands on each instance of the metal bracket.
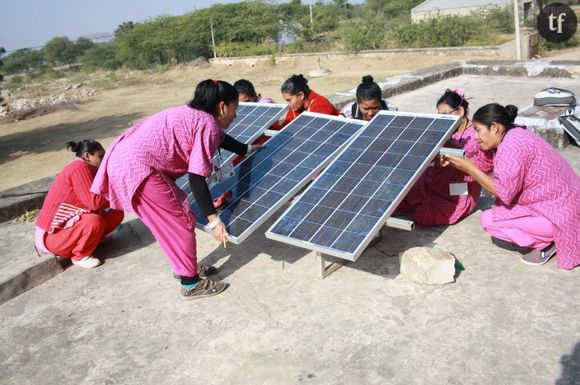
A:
(447, 151)
(326, 270)
(271, 133)
(399, 223)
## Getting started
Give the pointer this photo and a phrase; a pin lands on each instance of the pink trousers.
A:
(165, 210)
(534, 232)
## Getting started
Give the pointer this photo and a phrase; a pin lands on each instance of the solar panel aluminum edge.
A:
(327, 174)
(239, 130)
(571, 125)
(280, 171)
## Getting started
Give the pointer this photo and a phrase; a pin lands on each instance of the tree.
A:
(124, 28)
(60, 50)
(23, 59)
(358, 35)
(82, 44)
(2, 52)
(101, 56)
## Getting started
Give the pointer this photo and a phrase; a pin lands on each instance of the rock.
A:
(428, 266)
(317, 73)
(201, 62)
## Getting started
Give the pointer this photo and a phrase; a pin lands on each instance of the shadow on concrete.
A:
(129, 236)
(383, 258)
(54, 138)
(570, 368)
(237, 256)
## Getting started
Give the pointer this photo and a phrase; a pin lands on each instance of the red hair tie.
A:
(215, 82)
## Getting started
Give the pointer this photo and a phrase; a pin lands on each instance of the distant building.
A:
(100, 37)
(435, 8)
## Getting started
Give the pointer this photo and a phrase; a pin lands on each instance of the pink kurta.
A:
(139, 170)
(262, 99)
(171, 142)
(429, 199)
(532, 179)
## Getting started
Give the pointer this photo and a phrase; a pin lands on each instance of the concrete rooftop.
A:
(501, 322)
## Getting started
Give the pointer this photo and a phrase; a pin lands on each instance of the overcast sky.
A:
(32, 23)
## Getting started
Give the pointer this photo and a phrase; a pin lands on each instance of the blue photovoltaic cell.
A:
(263, 182)
(341, 211)
(252, 119)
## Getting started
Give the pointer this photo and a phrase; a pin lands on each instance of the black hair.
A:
(296, 84)
(209, 93)
(368, 89)
(87, 145)
(245, 87)
(495, 112)
(454, 100)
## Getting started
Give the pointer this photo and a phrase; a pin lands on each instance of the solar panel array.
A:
(252, 119)
(352, 199)
(265, 181)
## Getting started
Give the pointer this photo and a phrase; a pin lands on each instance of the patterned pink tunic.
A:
(429, 199)
(532, 179)
(171, 142)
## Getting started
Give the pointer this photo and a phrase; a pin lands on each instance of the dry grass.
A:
(28, 216)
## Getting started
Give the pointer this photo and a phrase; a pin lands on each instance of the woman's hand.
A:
(218, 228)
(220, 232)
(438, 161)
(254, 147)
(462, 164)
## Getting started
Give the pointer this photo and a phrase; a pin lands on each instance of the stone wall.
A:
(491, 51)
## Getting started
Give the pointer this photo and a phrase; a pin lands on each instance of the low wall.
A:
(491, 51)
(413, 80)
(421, 78)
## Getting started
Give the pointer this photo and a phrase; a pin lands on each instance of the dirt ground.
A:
(34, 148)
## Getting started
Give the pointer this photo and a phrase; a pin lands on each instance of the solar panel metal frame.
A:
(571, 124)
(202, 221)
(381, 222)
(227, 158)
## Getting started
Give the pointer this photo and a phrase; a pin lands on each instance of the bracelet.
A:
(250, 149)
(213, 224)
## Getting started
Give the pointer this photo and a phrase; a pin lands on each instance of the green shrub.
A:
(444, 31)
(359, 34)
(15, 81)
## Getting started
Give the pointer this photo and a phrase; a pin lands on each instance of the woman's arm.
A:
(290, 115)
(238, 147)
(202, 196)
(233, 145)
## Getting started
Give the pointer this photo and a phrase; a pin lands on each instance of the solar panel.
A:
(252, 119)
(572, 126)
(352, 199)
(265, 181)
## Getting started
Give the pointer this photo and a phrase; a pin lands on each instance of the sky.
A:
(32, 23)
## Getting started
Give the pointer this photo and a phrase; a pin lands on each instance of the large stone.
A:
(428, 266)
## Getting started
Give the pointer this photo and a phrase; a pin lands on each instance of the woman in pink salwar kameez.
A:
(537, 192)
(431, 200)
(139, 170)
